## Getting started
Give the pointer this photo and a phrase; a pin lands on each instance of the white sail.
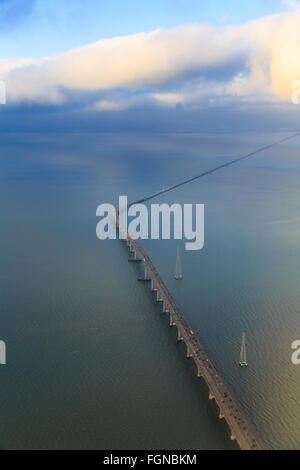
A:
(178, 272)
(243, 355)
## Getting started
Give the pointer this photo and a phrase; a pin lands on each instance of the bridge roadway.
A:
(239, 425)
(212, 170)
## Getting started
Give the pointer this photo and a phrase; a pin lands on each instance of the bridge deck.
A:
(239, 425)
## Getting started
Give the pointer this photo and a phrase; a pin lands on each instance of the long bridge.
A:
(240, 427)
(212, 170)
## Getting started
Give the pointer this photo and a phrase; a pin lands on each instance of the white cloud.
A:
(106, 105)
(169, 99)
(291, 4)
(258, 60)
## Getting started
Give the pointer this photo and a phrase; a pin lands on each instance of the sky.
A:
(42, 27)
(87, 58)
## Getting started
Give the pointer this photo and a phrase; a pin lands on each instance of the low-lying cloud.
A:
(188, 65)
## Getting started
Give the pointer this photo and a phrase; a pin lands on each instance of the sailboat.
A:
(178, 272)
(243, 356)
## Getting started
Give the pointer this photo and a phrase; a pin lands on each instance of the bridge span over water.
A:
(240, 427)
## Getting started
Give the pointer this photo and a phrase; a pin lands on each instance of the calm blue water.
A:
(92, 363)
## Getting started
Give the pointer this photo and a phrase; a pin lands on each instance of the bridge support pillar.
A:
(221, 416)
(232, 437)
(179, 338)
(211, 397)
(188, 354)
(199, 374)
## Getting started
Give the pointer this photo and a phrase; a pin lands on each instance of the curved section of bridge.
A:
(240, 427)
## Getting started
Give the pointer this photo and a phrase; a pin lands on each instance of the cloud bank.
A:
(189, 65)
